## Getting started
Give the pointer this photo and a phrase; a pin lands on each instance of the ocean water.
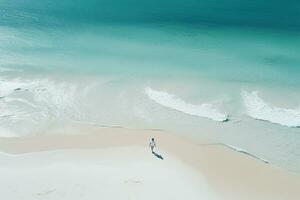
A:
(228, 71)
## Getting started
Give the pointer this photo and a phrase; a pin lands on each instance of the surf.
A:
(28, 104)
(204, 110)
(257, 108)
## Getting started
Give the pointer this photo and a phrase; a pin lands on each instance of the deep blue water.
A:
(254, 13)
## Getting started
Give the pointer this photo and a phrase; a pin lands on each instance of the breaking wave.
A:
(257, 108)
(171, 101)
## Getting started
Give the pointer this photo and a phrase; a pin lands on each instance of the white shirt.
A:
(152, 144)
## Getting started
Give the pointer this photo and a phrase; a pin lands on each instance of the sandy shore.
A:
(118, 155)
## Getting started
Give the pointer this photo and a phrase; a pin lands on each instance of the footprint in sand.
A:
(132, 182)
(44, 193)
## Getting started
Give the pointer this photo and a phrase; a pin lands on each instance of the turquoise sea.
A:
(228, 71)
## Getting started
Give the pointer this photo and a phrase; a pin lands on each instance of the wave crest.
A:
(171, 101)
(257, 108)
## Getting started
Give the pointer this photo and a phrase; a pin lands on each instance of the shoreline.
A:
(231, 173)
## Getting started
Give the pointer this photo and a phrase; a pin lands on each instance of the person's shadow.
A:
(157, 155)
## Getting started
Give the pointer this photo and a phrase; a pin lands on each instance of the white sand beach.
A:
(116, 163)
(112, 173)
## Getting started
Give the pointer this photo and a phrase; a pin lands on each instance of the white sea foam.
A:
(28, 104)
(43, 92)
(245, 152)
(7, 87)
(205, 110)
(258, 109)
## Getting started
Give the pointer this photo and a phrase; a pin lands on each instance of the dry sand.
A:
(224, 173)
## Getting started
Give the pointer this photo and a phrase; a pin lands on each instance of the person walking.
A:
(152, 144)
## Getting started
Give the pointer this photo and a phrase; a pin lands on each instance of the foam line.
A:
(205, 110)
